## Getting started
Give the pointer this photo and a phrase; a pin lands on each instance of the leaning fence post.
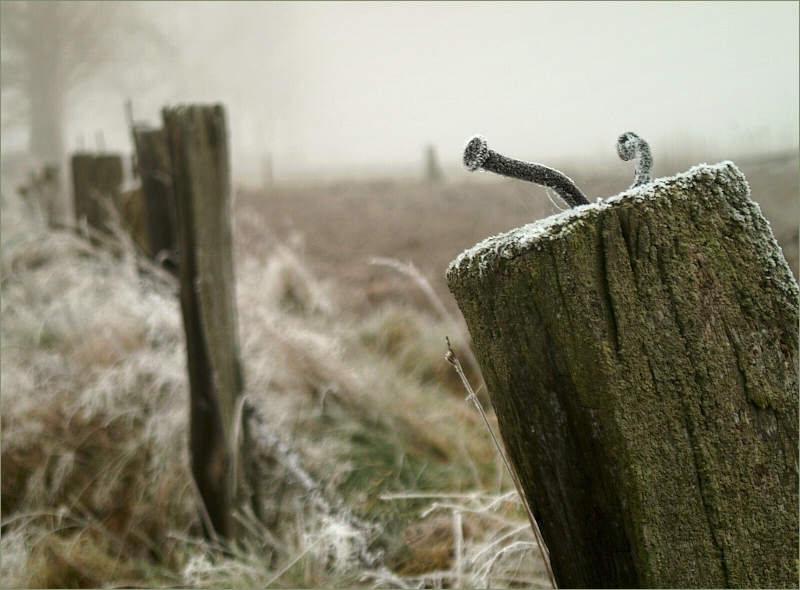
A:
(198, 144)
(642, 358)
(155, 171)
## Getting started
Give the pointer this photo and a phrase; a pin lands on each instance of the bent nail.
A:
(478, 155)
(630, 146)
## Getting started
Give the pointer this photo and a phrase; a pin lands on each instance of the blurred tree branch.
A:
(51, 48)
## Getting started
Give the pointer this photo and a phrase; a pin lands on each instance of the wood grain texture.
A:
(200, 176)
(642, 358)
(155, 171)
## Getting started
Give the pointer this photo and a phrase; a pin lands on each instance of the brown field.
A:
(341, 226)
(344, 361)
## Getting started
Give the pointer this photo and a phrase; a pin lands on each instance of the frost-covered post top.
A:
(704, 185)
(665, 308)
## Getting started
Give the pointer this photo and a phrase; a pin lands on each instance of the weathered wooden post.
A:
(642, 358)
(267, 174)
(198, 146)
(94, 177)
(43, 195)
(433, 170)
(155, 171)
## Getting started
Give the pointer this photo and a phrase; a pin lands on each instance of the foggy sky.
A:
(327, 86)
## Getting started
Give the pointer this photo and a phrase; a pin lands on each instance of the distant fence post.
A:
(267, 177)
(433, 170)
(198, 145)
(642, 359)
(43, 194)
(94, 177)
(155, 171)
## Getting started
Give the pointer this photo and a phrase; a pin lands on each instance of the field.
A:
(377, 473)
(340, 227)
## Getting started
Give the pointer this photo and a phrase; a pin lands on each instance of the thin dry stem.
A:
(453, 360)
(411, 271)
(236, 433)
(516, 545)
(458, 546)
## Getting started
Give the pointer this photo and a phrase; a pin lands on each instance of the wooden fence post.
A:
(642, 359)
(267, 173)
(93, 177)
(155, 171)
(198, 146)
(43, 195)
(433, 170)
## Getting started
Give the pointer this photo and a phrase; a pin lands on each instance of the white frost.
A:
(511, 244)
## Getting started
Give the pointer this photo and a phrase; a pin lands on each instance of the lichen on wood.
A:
(641, 355)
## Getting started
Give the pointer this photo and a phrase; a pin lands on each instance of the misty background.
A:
(357, 88)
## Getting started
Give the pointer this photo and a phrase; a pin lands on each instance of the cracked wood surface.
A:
(642, 358)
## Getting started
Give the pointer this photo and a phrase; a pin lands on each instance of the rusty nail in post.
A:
(478, 155)
(630, 146)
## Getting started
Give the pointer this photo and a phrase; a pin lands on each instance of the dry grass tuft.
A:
(289, 285)
(431, 546)
(92, 411)
(376, 472)
(95, 483)
(413, 341)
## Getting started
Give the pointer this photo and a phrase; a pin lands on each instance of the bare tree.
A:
(51, 48)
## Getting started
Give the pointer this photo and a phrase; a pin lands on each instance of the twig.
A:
(429, 496)
(478, 155)
(453, 360)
